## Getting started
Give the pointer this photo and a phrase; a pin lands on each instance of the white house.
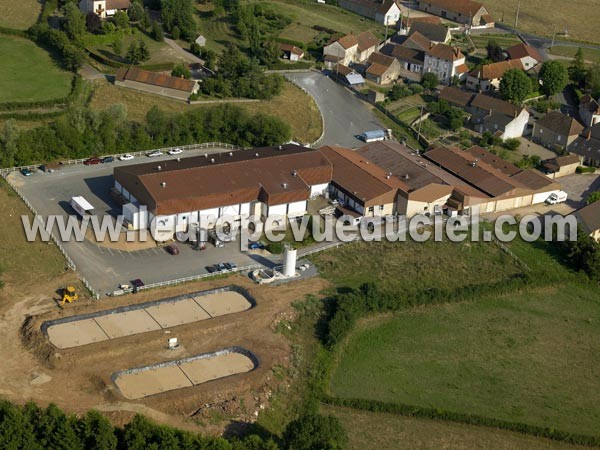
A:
(385, 12)
(104, 8)
(446, 62)
(350, 49)
(487, 77)
(528, 55)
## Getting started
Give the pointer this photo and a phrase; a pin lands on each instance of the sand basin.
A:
(120, 322)
(139, 383)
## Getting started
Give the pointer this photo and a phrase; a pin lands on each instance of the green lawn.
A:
(503, 41)
(413, 266)
(28, 73)
(589, 54)
(530, 357)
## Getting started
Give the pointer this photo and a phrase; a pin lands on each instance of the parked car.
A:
(127, 157)
(137, 284)
(256, 246)
(221, 267)
(230, 266)
(557, 197)
(26, 172)
(108, 159)
(154, 154)
(173, 249)
(175, 151)
(92, 161)
(211, 269)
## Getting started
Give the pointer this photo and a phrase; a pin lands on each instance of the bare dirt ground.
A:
(78, 379)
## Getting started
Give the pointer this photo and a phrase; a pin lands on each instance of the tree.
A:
(117, 46)
(593, 197)
(577, 70)
(143, 52)
(74, 22)
(93, 23)
(157, 32)
(553, 78)
(584, 254)
(180, 14)
(145, 21)
(430, 80)
(98, 433)
(180, 71)
(121, 19)
(175, 33)
(494, 51)
(515, 86)
(136, 11)
(315, 432)
(592, 79)
(196, 49)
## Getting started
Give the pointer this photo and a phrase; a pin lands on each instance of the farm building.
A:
(561, 166)
(556, 130)
(156, 83)
(467, 12)
(527, 54)
(291, 52)
(350, 48)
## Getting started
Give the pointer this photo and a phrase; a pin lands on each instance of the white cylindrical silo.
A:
(289, 262)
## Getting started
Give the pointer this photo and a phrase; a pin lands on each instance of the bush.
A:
(181, 71)
(511, 144)
(315, 432)
(430, 80)
(175, 33)
(583, 169)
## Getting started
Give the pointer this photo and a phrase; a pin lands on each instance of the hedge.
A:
(13, 32)
(583, 169)
(31, 115)
(290, 66)
(470, 419)
(117, 65)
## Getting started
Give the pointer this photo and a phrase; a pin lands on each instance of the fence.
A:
(5, 171)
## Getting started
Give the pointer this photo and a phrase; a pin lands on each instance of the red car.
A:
(92, 161)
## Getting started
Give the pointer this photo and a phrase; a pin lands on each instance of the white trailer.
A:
(82, 206)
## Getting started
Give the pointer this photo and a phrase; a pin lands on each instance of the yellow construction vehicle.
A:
(69, 295)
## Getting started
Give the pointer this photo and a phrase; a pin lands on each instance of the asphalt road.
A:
(345, 115)
(105, 268)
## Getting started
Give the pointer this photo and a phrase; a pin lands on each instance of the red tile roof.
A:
(155, 79)
(522, 50)
(445, 52)
(496, 70)
(464, 7)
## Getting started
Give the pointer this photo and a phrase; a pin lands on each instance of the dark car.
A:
(221, 267)
(230, 266)
(92, 161)
(26, 172)
(137, 284)
(108, 159)
(211, 269)
(173, 249)
(256, 246)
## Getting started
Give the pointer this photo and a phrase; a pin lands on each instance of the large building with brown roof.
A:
(156, 83)
(556, 130)
(589, 219)
(527, 54)
(467, 12)
(382, 69)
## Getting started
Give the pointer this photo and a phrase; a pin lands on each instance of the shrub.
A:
(511, 144)
(583, 169)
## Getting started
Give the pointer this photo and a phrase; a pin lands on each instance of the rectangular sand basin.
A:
(215, 367)
(127, 323)
(177, 313)
(76, 333)
(222, 303)
(152, 381)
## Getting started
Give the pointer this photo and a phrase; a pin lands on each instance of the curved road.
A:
(344, 115)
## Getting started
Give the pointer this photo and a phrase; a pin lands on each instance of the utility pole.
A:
(553, 38)
(517, 16)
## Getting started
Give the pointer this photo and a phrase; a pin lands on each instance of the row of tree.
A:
(516, 85)
(33, 428)
(82, 132)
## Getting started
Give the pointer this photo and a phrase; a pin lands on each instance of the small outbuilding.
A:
(201, 41)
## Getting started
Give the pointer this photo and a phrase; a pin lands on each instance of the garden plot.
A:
(113, 324)
(150, 380)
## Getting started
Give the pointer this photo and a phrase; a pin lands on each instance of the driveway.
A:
(187, 56)
(579, 187)
(345, 115)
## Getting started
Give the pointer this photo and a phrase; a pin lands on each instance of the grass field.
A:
(304, 14)
(293, 106)
(503, 40)
(591, 55)
(28, 73)
(579, 17)
(412, 266)
(20, 15)
(390, 432)
(23, 264)
(529, 357)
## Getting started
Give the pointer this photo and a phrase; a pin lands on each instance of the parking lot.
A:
(106, 268)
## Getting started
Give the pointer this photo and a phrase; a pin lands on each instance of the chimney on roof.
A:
(474, 163)
(212, 160)
(178, 159)
(256, 154)
(230, 153)
(406, 177)
(294, 173)
(284, 185)
(159, 168)
(280, 147)
(206, 155)
(163, 184)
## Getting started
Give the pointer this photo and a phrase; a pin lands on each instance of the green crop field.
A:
(28, 73)
(412, 266)
(20, 15)
(591, 55)
(530, 357)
